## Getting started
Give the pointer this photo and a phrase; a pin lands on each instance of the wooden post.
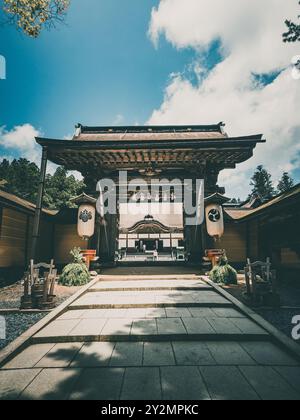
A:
(39, 203)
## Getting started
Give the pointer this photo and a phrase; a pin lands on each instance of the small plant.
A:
(76, 273)
(223, 273)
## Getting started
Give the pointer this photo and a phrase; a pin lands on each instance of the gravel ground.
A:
(18, 323)
(281, 318)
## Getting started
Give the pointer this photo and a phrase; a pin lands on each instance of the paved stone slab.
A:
(191, 353)
(149, 284)
(51, 384)
(269, 384)
(268, 354)
(198, 326)
(170, 326)
(227, 383)
(178, 313)
(155, 313)
(13, 382)
(142, 327)
(123, 299)
(183, 383)
(141, 384)
(76, 314)
(61, 355)
(117, 327)
(158, 354)
(229, 353)
(98, 384)
(223, 326)
(202, 313)
(94, 355)
(247, 326)
(209, 297)
(29, 357)
(58, 328)
(95, 314)
(227, 313)
(116, 313)
(88, 327)
(291, 375)
(127, 354)
(135, 313)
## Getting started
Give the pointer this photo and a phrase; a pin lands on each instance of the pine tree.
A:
(286, 183)
(293, 33)
(262, 184)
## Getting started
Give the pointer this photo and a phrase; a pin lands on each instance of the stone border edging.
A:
(24, 340)
(277, 335)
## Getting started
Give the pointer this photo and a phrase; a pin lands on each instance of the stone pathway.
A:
(151, 337)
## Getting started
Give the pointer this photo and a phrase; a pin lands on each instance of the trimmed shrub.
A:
(223, 273)
(76, 273)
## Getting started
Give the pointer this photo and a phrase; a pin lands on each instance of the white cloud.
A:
(21, 141)
(250, 35)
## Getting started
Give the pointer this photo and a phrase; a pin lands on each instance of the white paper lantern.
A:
(214, 220)
(86, 221)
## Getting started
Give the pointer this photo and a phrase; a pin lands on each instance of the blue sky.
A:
(160, 62)
(101, 68)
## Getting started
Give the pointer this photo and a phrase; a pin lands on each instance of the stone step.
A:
(156, 329)
(145, 313)
(136, 277)
(151, 285)
(148, 289)
(158, 298)
(151, 338)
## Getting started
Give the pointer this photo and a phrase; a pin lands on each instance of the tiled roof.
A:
(148, 133)
(27, 205)
(242, 213)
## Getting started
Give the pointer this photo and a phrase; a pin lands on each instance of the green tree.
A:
(293, 33)
(31, 16)
(60, 188)
(22, 178)
(286, 183)
(262, 184)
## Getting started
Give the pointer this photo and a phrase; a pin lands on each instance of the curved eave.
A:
(245, 141)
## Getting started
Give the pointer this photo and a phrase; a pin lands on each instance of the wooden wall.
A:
(66, 238)
(253, 240)
(234, 242)
(15, 238)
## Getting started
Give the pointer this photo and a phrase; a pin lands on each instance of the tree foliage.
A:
(286, 183)
(293, 33)
(22, 179)
(262, 184)
(31, 16)
(76, 273)
(223, 273)
(60, 188)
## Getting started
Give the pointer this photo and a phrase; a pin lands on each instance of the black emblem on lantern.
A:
(214, 215)
(85, 216)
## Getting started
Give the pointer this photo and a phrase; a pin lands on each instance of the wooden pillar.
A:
(193, 236)
(39, 203)
(108, 239)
